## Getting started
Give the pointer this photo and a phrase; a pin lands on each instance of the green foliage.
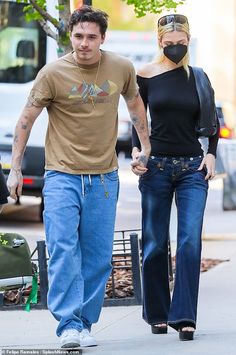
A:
(40, 3)
(64, 39)
(142, 7)
(30, 12)
(60, 7)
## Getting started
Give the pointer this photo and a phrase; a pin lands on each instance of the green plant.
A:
(142, 7)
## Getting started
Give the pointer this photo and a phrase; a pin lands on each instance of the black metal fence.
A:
(126, 260)
(38, 257)
(124, 286)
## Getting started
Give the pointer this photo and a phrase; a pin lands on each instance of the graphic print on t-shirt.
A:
(84, 91)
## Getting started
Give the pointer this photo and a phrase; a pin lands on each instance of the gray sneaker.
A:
(70, 338)
(86, 339)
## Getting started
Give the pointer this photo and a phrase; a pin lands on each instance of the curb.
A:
(219, 237)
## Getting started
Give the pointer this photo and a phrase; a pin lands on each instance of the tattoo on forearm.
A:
(24, 125)
(16, 138)
(139, 125)
(134, 119)
(142, 127)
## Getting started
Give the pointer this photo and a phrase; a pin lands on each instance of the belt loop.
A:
(163, 163)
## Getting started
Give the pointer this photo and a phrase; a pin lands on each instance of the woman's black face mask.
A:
(175, 52)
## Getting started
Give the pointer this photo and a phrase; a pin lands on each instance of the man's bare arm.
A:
(139, 119)
(22, 132)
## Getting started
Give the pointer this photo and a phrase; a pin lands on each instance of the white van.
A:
(24, 50)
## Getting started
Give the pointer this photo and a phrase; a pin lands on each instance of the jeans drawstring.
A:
(104, 184)
(82, 183)
(90, 183)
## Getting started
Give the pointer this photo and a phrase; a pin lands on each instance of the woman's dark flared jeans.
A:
(165, 177)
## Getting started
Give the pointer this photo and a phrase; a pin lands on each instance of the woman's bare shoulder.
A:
(145, 70)
(148, 70)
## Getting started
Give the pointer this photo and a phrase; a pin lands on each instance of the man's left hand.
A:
(139, 162)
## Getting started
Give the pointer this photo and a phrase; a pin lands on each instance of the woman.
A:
(3, 189)
(181, 105)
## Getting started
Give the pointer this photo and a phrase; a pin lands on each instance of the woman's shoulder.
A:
(147, 70)
(153, 70)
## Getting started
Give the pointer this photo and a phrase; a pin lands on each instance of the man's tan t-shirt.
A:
(81, 138)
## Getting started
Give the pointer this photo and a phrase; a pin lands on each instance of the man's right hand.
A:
(15, 183)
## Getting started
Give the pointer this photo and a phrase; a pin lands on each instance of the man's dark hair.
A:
(89, 14)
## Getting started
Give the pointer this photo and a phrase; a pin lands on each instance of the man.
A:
(3, 190)
(81, 92)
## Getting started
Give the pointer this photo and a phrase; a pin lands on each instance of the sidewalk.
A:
(122, 331)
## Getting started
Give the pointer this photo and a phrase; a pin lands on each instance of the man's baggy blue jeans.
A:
(166, 176)
(79, 218)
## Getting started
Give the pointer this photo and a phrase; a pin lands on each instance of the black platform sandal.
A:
(159, 329)
(185, 334)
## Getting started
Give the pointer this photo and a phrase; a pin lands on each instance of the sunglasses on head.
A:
(165, 20)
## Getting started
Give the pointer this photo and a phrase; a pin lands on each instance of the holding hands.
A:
(140, 159)
(139, 162)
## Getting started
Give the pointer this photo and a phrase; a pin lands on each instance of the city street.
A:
(121, 330)
(72, 82)
(218, 224)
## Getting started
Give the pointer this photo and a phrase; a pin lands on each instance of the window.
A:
(22, 45)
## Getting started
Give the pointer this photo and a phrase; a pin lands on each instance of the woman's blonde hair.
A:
(170, 27)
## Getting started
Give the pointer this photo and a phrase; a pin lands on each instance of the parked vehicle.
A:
(124, 141)
(24, 50)
(225, 161)
(140, 48)
(225, 131)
